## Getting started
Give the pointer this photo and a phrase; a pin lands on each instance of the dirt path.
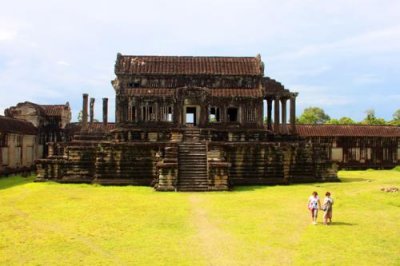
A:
(219, 248)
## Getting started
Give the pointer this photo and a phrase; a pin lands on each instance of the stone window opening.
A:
(134, 84)
(3, 140)
(169, 114)
(214, 115)
(19, 140)
(250, 116)
(166, 113)
(133, 114)
(149, 112)
(232, 114)
(144, 113)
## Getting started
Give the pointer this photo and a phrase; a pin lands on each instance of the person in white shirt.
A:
(327, 207)
(314, 205)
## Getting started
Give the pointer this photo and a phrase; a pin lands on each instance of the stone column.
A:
(260, 114)
(177, 113)
(293, 129)
(276, 116)
(203, 119)
(85, 110)
(91, 110)
(117, 108)
(105, 111)
(283, 121)
(269, 113)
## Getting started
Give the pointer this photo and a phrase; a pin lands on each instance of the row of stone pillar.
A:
(85, 110)
(280, 118)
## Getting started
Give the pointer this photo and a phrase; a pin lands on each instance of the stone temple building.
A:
(191, 124)
(25, 131)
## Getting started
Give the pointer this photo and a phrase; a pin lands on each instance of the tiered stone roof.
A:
(11, 125)
(54, 109)
(188, 65)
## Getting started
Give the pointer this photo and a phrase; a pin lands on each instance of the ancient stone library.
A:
(198, 124)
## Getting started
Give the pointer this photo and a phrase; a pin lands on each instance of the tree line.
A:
(316, 115)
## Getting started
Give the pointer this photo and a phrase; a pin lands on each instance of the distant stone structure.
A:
(191, 124)
(357, 146)
(19, 146)
(50, 121)
(25, 132)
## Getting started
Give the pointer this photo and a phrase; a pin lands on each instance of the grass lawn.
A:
(62, 224)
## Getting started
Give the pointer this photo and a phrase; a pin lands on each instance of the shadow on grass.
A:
(12, 181)
(342, 223)
(352, 179)
(250, 188)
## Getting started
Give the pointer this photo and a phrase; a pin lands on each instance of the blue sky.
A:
(342, 55)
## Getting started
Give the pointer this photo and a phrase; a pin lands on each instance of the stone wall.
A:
(18, 153)
(275, 162)
(150, 157)
(361, 152)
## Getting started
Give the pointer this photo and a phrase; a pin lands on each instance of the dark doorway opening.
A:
(232, 114)
(214, 115)
(191, 118)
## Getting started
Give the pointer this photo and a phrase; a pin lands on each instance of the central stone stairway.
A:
(192, 163)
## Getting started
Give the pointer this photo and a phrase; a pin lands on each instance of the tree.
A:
(80, 115)
(396, 118)
(333, 121)
(313, 115)
(371, 119)
(342, 121)
(396, 115)
(346, 121)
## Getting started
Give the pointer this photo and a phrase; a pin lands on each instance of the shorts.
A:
(314, 212)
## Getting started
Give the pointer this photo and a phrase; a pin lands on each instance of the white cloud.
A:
(301, 42)
(367, 79)
(8, 35)
(63, 63)
(386, 40)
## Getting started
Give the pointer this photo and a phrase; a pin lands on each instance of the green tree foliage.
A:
(313, 115)
(80, 115)
(396, 118)
(332, 121)
(347, 121)
(342, 121)
(371, 119)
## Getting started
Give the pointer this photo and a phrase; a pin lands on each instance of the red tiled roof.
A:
(11, 125)
(347, 130)
(215, 92)
(188, 65)
(225, 92)
(53, 110)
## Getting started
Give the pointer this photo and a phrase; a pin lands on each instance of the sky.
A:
(342, 55)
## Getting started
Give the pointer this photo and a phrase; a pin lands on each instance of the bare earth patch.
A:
(218, 246)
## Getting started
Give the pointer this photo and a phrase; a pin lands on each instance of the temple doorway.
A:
(192, 114)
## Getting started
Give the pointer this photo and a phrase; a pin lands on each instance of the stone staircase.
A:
(192, 163)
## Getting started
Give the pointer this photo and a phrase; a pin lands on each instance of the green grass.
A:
(62, 224)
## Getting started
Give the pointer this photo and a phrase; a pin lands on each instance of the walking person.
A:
(313, 205)
(327, 207)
